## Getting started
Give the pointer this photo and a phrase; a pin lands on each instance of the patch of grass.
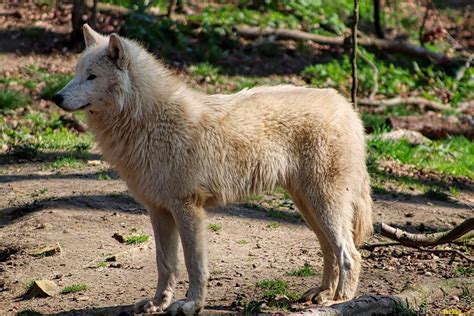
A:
(278, 214)
(255, 197)
(464, 271)
(74, 288)
(39, 192)
(273, 287)
(10, 99)
(252, 307)
(205, 72)
(273, 225)
(215, 227)
(437, 194)
(66, 162)
(103, 175)
(451, 156)
(306, 271)
(101, 264)
(136, 239)
(466, 293)
(242, 242)
(29, 284)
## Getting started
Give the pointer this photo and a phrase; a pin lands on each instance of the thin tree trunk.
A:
(377, 23)
(78, 10)
(354, 54)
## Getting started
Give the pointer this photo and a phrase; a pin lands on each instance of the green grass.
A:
(242, 242)
(103, 175)
(136, 239)
(66, 162)
(74, 288)
(10, 99)
(464, 271)
(273, 287)
(306, 271)
(205, 72)
(451, 156)
(273, 225)
(215, 227)
(101, 264)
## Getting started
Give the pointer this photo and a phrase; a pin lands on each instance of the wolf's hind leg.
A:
(335, 221)
(191, 225)
(166, 240)
(327, 289)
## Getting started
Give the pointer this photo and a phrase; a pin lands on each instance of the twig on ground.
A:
(418, 101)
(419, 240)
(453, 251)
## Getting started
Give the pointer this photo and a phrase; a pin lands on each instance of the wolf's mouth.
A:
(84, 106)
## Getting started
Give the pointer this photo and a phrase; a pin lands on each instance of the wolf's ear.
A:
(117, 51)
(91, 37)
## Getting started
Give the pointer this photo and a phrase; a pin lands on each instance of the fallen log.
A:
(394, 46)
(422, 103)
(435, 126)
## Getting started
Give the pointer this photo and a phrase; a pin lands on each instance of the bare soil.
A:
(81, 213)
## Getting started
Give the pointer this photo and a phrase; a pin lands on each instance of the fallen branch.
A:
(394, 46)
(390, 304)
(420, 102)
(420, 240)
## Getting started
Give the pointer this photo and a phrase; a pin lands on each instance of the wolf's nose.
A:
(58, 99)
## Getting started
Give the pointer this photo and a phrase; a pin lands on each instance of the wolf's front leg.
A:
(166, 240)
(191, 225)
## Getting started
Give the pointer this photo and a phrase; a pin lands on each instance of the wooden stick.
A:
(420, 240)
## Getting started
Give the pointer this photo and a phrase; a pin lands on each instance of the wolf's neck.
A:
(162, 125)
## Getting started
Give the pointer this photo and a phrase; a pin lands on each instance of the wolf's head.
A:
(102, 79)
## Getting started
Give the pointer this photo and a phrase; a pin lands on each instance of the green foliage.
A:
(205, 72)
(392, 80)
(451, 156)
(10, 99)
(273, 225)
(215, 227)
(74, 288)
(273, 287)
(464, 271)
(104, 175)
(136, 239)
(66, 162)
(306, 271)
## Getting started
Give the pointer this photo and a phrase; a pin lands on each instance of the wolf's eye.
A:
(91, 77)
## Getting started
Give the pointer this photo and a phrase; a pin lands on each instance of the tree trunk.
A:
(377, 23)
(78, 10)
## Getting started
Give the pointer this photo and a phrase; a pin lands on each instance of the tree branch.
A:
(394, 46)
(420, 240)
(420, 102)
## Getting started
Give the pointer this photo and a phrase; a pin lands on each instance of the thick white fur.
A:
(180, 151)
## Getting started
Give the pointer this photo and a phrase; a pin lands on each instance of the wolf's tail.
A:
(362, 218)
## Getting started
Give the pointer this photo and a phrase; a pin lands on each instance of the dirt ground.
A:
(81, 213)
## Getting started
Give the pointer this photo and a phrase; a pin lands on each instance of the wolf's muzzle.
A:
(58, 99)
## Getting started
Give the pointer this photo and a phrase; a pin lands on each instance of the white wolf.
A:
(180, 151)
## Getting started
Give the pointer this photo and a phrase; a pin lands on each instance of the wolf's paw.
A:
(184, 307)
(317, 295)
(148, 306)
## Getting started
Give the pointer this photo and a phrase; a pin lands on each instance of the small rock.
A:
(47, 251)
(42, 288)
(94, 162)
(455, 298)
(118, 237)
